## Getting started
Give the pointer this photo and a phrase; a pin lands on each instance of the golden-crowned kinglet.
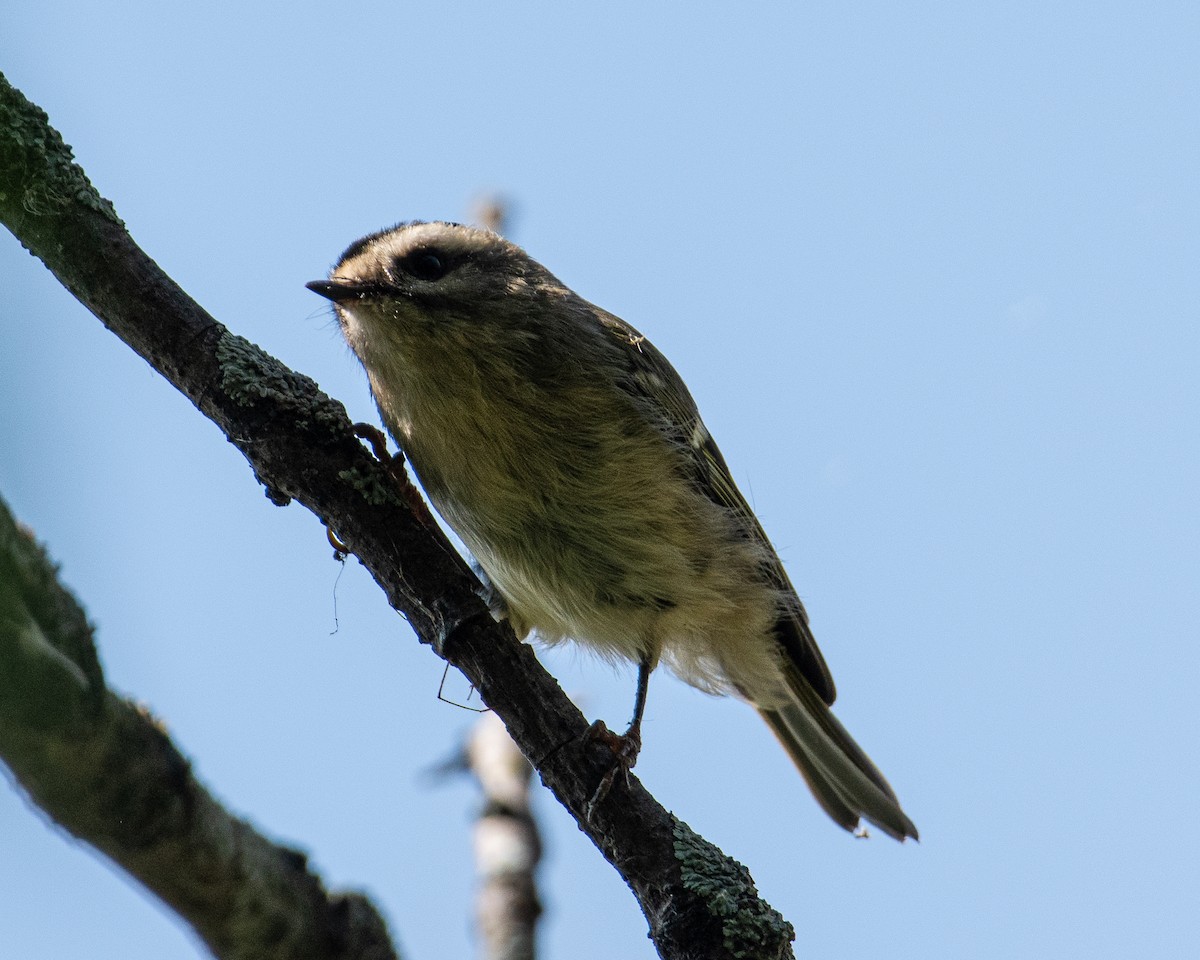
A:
(568, 455)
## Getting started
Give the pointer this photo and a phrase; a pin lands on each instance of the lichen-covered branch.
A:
(104, 769)
(300, 445)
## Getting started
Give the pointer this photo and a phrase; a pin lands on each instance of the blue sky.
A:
(930, 272)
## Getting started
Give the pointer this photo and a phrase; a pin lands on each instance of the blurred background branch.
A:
(507, 845)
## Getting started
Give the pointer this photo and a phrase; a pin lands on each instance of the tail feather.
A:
(830, 801)
(845, 782)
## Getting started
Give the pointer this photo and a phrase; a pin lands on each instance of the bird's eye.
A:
(426, 265)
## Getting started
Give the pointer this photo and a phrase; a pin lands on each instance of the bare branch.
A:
(698, 903)
(507, 845)
(491, 211)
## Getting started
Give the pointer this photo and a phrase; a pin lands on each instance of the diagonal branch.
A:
(300, 445)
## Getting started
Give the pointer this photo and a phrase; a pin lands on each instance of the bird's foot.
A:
(625, 749)
(374, 436)
(394, 462)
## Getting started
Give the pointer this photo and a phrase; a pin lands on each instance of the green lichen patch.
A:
(370, 485)
(751, 927)
(250, 374)
(38, 172)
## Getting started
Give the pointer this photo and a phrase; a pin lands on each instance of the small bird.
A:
(569, 456)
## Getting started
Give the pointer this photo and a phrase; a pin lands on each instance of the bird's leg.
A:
(634, 733)
(627, 746)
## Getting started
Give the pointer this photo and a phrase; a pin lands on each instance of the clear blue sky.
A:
(931, 272)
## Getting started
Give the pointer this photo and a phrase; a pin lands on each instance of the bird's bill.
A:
(340, 291)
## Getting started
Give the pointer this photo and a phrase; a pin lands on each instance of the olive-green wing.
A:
(650, 376)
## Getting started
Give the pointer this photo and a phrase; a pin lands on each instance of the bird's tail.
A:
(841, 776)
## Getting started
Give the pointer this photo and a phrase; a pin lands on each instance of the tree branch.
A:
(698, 903)
(104, 769)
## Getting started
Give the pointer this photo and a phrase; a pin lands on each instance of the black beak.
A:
(339, 291)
